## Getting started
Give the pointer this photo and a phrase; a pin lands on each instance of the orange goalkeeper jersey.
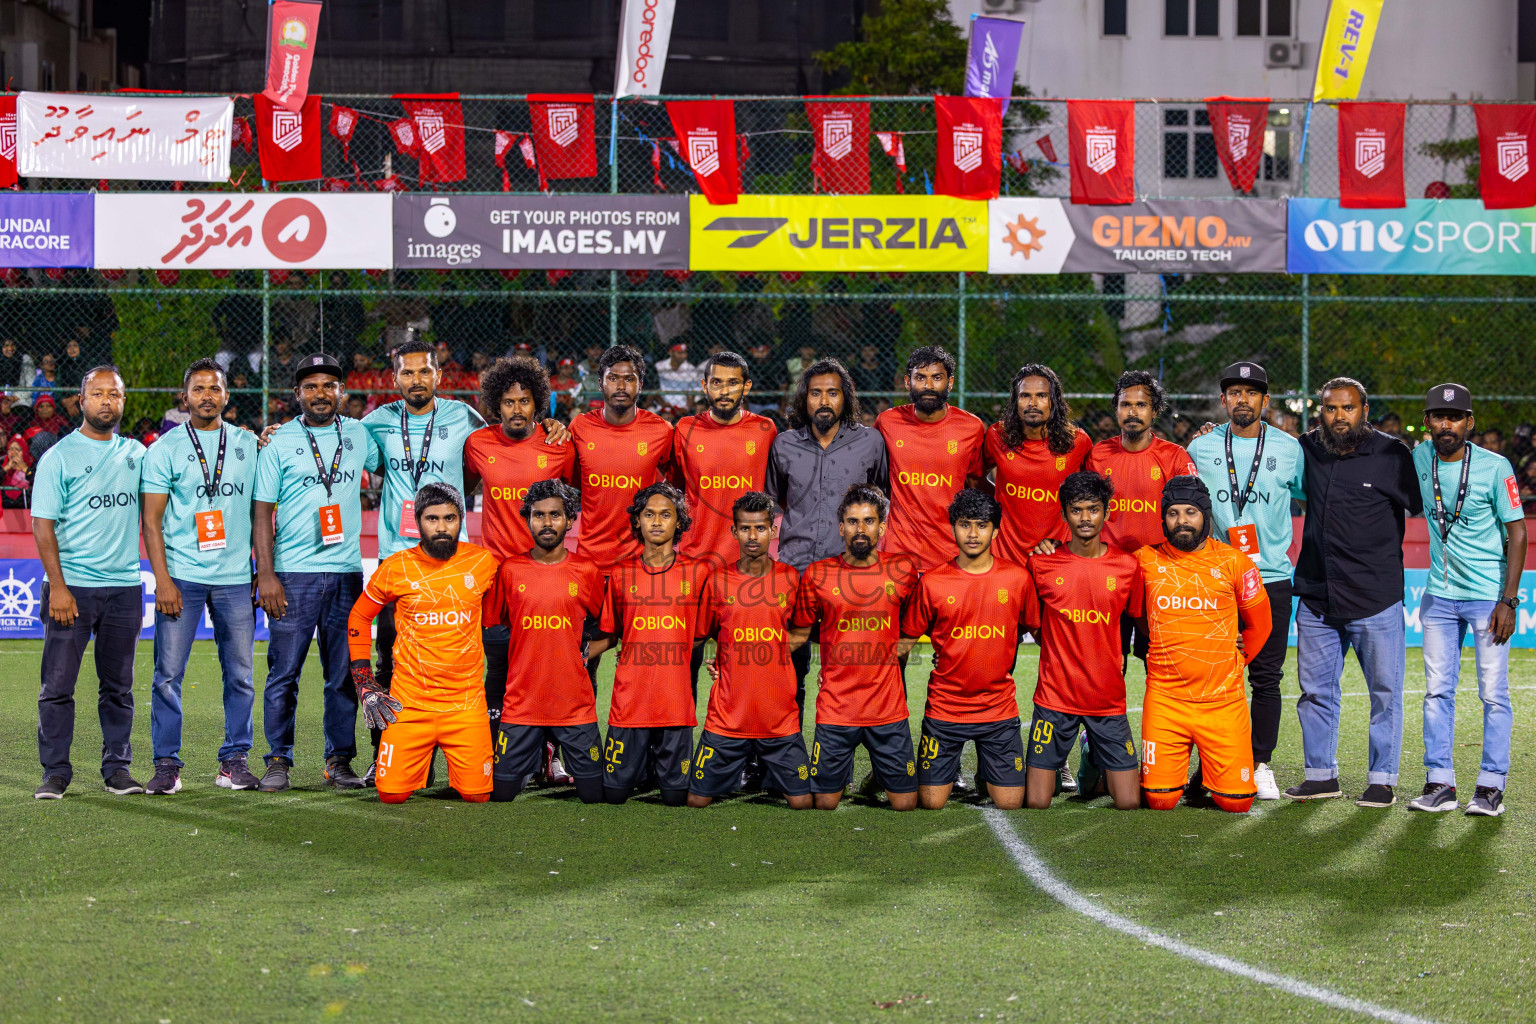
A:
(439, 659)
(1193, 602)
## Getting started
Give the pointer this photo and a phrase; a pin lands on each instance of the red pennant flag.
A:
(390, 184)
(292, 30)
(1505, 142)
(564, 135)
(499, 148)
(840, 135)
(8, 177)
(969, 163)
(656, 166)
(1101, 149)
(438, 121)
(706, 136)
(1047, 147)
(241, 134)
(1238, 125)
(335, 185)
(404, 134)
(896, 149)
(342, 124)
(288, 143)
(1371, 155)
(743, 150)
(530, 158)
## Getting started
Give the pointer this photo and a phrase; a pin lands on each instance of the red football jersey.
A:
(1135, 512)
(655, 614)
(749, 616)
(1073, 606)
(718, 463)
(612, 463)
(1026, 480)
(973, 620)
(860, 614)
(547, 606)
(929, 465)
(507, 468)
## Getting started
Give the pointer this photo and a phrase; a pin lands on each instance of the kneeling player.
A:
(971, 610)
(747, 608)
(652, 606)
(1207, 616)
(857, 598)
(435, 697)
(547, 597)
(1073, 605)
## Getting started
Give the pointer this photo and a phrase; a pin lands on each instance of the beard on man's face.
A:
(1447, 443)
(1337, 442)
(1243, 416)
(929, 400)
(1185, 538)
(441, 547)
(860, 546)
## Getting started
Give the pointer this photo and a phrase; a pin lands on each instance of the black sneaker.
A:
(1315, 789)
(122, 784)
(235, 773)
(963, 786)
(167, 778)
(1487, 802)
(1437, 797)
(339, 774)
(1377, 795)
(53, 788)
(372, 773)
(752, 777)
(275, 779)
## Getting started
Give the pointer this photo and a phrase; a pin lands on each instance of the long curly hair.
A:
(1060, 434)
(676, 497)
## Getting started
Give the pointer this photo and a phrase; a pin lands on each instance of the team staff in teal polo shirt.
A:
(85, 519)
(1253, 472)
(309, 574)
(199, 480)
(1477, 542)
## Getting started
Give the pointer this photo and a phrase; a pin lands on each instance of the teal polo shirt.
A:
(452, 422)
(1280, 479)
(171, 467)
(286, 474)
(90, 489)
(1469, 564)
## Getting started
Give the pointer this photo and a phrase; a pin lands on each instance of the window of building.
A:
(707, 20)
(1189, 148)
(1264, 17)
(1207, 17)
(779, 21)
(562, 19)
(1175, 17)
(363, 21)
(1250, 17)
(1277, 147)
(1115, 18)
(1279, 23)
(1177, 20)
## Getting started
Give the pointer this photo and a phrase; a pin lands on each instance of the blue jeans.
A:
(1321, 644)
(234, 634)
(1445, 626)
(316, 600)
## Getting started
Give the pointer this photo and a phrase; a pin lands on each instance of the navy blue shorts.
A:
(999, 751)
(890, 754)
(718, 761)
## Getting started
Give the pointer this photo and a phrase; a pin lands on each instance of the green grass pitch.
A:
(312, 906)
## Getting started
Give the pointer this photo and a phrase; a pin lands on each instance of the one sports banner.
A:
(1238, 128)
(8, 177)
(1101, 149)
(840, 141)
(706, 140)
(292, 30)
(994, 52)
(1371, 155)
(1506, 142)
(125, 135)
(438, 128)
(645, 29)
(1426, 236)
(1169, 236)
(841, 233)
(1346, 47)
(969, 157)
(564, 135)
(288, 142)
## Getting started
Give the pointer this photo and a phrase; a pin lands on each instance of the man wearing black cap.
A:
(1253, 472)
(310, 572)
(1477, 545)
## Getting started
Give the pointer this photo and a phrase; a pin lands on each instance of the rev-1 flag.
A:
(288, 143)
(564, 136)
(706, 140)
(438, 123)
(1238, 126)
(1371, 155)
(969, 158)
(840, 135)
(1506, 134)
(292, 29)
(1101, 149)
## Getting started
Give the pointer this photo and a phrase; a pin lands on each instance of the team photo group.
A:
(927, 537)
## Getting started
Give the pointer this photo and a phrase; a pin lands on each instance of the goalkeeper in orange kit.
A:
(437, 695)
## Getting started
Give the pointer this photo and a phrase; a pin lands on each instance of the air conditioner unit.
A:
(1001, 6)
(1282, 53)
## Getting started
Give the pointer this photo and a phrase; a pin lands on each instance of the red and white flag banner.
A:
(1371, 155)
(840, 137)
(8, 176)
(1101, 149)
(706, 141)
(342, 125)
(1238, 126)
(564, 135)
(288, 142)
(969, 146)
(895, 148)
(438, 121)
(1506, 136)
(292, 31)
(500, 147)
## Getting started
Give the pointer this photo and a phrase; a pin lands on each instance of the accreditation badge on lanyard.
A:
(1245, 536)
(210, 522)
(1441, 518)
(331, 531)
(407, 525)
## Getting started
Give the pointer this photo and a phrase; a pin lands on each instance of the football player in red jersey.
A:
(1028, 454)
(1073, 605)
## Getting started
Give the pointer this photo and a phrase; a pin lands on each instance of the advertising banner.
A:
(1427, 236)
(242, 230)
(993, 54)
(1171, 236)
(573, 232)
(645, 29)
(1346, 48)
(156, 138)
(808, 233)
(42, 229)
(292, 28)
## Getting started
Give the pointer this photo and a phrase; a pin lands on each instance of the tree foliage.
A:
(910, 48)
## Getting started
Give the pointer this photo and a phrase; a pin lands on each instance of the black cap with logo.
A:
(320, 362)
(1245, 373)
(1454, 397)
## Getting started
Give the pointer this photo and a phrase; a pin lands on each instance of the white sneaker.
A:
(1264, 782)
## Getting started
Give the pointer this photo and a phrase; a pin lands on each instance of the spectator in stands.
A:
(15, 474)
(72, 367)
(247, 406)
(444, 354)
(10, 363)
(11, 419)
(869, 371)
(1528, 486)
(357, 406)
(1520, 448)
(1183, 431)
(45, 416)
(47, 376)
(795, 365)
(69, 408)
(1103, 426)
(1392, 424)
(176, 415)
(676, 376)
(1493, 440)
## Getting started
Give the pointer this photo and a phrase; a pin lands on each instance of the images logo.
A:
(1370, 152)
(1101, 149)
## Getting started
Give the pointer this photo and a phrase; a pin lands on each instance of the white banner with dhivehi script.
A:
(156, 138)
(645, 29)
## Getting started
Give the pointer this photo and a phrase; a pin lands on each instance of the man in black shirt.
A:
(1360, 483)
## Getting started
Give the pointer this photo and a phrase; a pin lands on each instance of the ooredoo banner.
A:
(1426, 236)
(243, 230)
(574, 232)
(1198, 236)
(157, 138)
(45, 229)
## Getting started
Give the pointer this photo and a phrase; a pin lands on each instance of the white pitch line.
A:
(1033, 868)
